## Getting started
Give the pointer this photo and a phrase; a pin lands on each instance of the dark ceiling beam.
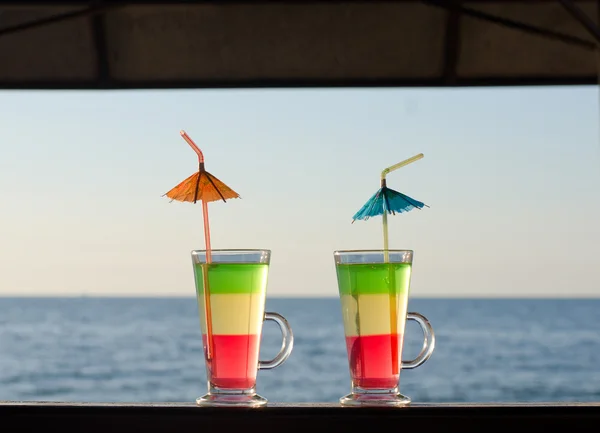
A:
(580, 16)
(517, 25)
(91, 10)
(449, 5)
(452, 44)
(100, 45)
(454, 9)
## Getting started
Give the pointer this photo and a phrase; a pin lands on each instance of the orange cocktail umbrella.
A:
(205, 187)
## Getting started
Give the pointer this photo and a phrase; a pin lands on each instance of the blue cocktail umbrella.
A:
(388, 201)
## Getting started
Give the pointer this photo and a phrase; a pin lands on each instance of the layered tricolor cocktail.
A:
(231, 292)
(373, 288)
(374, 313)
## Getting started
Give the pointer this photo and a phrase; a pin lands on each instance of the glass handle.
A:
(428, 341)
(286, 345)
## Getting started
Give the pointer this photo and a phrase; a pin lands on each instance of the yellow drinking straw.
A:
(386, 258)
(386, 254)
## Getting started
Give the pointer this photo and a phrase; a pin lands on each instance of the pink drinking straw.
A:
(207, 309)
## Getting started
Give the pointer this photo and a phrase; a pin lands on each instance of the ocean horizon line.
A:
(290, 297)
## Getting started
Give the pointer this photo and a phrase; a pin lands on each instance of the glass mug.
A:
(232, 312)
(373, 287)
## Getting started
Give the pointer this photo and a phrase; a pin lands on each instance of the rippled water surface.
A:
(139, 350)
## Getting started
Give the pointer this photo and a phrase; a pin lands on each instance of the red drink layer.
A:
(235, 360)
(373, 360)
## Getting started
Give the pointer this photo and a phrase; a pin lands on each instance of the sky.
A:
(511, 175)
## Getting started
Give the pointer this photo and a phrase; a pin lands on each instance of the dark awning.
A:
(200, 44)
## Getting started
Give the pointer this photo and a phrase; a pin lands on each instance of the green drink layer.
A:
(373, 278)
(231, 278)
